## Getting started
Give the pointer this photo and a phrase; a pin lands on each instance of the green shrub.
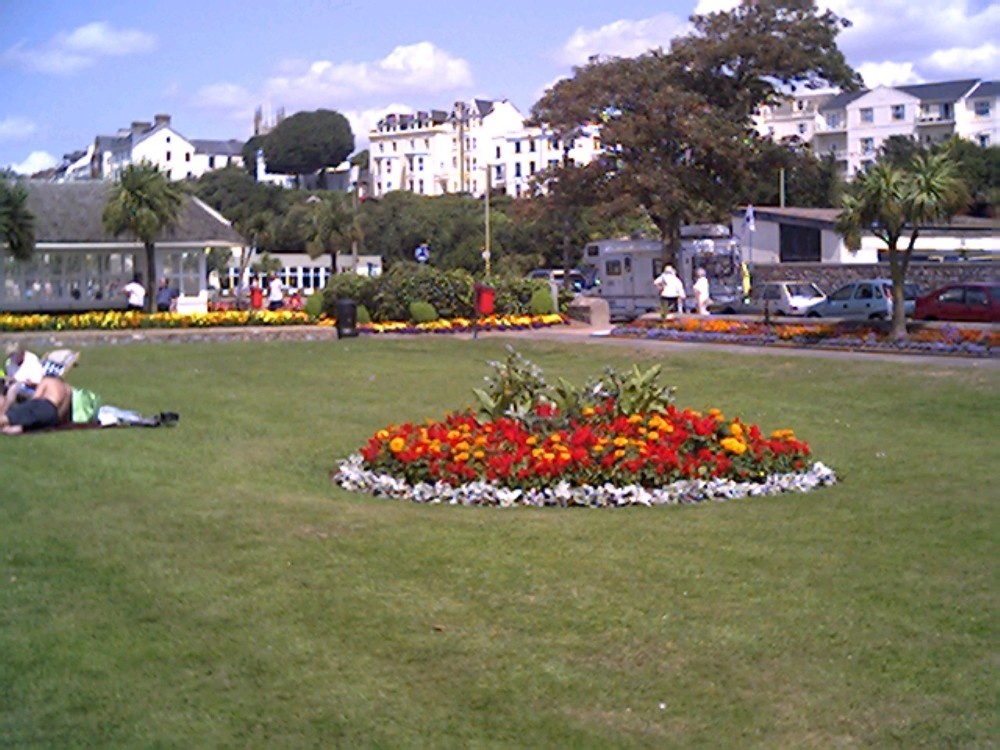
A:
(422, 312)
(363, 316)
(360, 289)
(541, 302)
(314, 305)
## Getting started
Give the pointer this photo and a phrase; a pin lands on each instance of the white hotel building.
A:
(435, 152)
(853, 126)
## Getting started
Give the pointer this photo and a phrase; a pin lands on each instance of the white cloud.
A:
(888, 74)
(413, 69)
(70, 52)
(16, 128)
(36, 162)
(958, 61)
(407, 71)
(939, 41)
(624, 38)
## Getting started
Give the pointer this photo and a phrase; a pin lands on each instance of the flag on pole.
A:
(749, 219)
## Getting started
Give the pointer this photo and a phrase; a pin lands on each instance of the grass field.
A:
(208, 586)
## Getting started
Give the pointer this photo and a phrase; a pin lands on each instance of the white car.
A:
(869, 300)
(777, 298)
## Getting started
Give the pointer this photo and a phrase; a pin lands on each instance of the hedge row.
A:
(451, 294)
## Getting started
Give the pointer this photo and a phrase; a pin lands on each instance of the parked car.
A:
(870, 299)
(577, 279)
(778, 297)
(969, 302)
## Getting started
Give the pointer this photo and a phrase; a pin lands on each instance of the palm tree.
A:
(17, 223)
(890, 201)
(143, 202)
(258, 229)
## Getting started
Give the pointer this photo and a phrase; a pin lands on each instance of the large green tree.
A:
(307, 142)
(17, 223)
(677, 125)
(143, 202)
(893, 203)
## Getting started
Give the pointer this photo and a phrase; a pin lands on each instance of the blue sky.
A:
(72, 70)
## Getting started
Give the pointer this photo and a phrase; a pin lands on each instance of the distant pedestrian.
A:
(166, 296)
(701, 298)
(672, 294)
(275, 293)
(136, 294)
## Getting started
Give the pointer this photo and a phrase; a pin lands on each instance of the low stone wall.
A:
(593, 311)
(829, 277)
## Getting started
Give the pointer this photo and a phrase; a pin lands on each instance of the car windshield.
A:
(809, 291)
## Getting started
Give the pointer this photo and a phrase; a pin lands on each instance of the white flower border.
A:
(352, 475)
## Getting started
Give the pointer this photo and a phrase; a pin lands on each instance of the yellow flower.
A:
(397, 444)
(732, 445)
(736, 429)
(588, 411)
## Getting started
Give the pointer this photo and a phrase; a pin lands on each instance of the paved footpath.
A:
(574, 333)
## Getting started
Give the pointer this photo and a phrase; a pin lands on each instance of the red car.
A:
(971, 302)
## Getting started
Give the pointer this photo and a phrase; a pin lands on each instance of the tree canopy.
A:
(307, 142)
(676, 125)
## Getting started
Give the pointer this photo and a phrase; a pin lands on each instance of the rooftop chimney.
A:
(161, 120)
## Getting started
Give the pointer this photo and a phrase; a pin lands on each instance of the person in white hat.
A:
(22, 374)
(671, 291)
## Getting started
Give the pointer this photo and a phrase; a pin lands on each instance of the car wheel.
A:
(876, 316)
(812, 314)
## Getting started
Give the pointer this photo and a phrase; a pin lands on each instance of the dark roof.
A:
(232, 147)
(839, 101)
(947, 91)
(483, 106)
(825, 216)
(71, 212)
(987, 88)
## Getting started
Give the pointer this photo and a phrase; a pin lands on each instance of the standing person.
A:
(672, 293)
(22, 373)
(275, 294)
(701, 298)
(136, 294)
(166, 297)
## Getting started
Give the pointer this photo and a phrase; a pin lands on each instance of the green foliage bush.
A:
(451, 293)
(541, 302)
(363, 316)
(314, 305)
(360, 289)
(422, 312)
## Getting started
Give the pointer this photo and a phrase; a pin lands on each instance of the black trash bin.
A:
(347, 318)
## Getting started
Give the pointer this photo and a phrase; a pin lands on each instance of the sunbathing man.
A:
(50, 406)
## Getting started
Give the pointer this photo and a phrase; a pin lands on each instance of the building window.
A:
(867, 145)
(187, 156)
(420, 185)
(984, 140)
(168, 156)
(867, 115)
(420, 164)
(982, 107)
(531, 145)
(802, 128)
(498, 152)
(946, 111)
(517, 169)
(833, 120)
(898, 111)
(211, 162)
(517, 147)
(531, 167)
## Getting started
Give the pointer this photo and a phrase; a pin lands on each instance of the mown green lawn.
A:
(208, 586)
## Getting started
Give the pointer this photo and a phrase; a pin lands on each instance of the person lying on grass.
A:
(50, 405)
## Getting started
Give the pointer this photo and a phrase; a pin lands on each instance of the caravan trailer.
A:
(626, 268)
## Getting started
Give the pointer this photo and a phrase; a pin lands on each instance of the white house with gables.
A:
(157, 143)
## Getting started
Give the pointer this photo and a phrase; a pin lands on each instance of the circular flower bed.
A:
(610, 444)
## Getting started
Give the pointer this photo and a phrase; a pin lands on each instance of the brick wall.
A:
(828, 277)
